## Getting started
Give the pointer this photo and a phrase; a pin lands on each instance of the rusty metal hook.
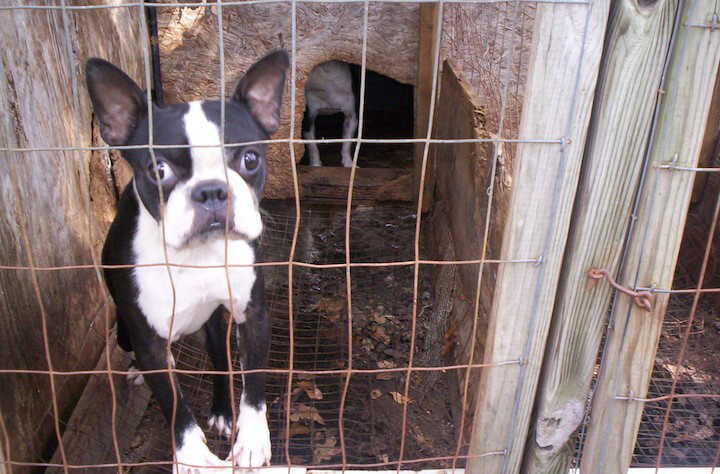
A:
(643, 299)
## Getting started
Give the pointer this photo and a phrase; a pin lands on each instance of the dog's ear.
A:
(262, 87)
(118, 102)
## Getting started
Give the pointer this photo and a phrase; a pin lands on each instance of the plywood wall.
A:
(190, 64)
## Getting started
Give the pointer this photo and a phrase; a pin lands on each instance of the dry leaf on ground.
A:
(310, 389)
(305, 413)
(399, 397)
(326, 451)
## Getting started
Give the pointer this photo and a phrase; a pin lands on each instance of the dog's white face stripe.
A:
(208, 163)
(201, 132)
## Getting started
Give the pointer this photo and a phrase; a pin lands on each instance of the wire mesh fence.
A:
(352, 375)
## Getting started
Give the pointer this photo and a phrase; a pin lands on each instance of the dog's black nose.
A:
(210, 192)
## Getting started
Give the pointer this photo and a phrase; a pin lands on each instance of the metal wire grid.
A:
(291, 264)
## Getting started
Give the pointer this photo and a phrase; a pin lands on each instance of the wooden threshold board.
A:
(371, 184)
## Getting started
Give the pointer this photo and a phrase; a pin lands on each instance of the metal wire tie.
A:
(643, 298)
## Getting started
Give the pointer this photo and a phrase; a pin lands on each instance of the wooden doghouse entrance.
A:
(385, 170)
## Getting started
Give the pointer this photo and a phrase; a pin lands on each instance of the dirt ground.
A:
(381, 329)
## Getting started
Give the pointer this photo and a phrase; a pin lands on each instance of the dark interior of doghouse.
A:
(388, 114)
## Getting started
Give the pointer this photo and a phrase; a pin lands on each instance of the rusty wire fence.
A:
(323, 291)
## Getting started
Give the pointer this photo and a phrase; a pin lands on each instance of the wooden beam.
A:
(653, 247)
(427, 42)
(563, 70)
(88, 433)
(635, 50)
(371, 184)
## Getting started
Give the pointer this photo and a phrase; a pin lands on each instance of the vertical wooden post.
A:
(654, 245)
(635, 50)
(428, 38)
(567, 46)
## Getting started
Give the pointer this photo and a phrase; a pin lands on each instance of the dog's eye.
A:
(164, 172)
(250, 160)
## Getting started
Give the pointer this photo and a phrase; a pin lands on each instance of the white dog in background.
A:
(329, 90)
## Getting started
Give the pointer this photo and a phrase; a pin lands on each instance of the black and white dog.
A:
(199, 200)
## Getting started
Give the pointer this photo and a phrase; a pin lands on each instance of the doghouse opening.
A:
(388, 114)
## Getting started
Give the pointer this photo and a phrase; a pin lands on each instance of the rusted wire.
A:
(488, 213)
(642, 298)
(90, 233)
(262, 468)
(284, 263)
(296, 229)
(266, 370)
(418, 221)
(348, 214)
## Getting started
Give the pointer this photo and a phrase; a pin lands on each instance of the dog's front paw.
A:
(194, 457)
(252, 446)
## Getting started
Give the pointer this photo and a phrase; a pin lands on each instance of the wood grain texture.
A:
(370, 185)
(654, 245)
(636, 46)
(37, 111)
(87, 435)
(460, 205)
(189, 52)
(544, 185)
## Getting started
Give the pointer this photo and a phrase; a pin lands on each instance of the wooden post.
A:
(654, 245)
(428, 38)
(637, 42)
(567, 46)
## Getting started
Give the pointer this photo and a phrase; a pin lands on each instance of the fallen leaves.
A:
(380, 334)
(330, 305)
(307, 413)
(310, 389)
(385, 364)
(325, 451)
(400, 398)
(376, 393)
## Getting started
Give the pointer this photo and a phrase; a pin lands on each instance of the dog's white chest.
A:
(190, 294)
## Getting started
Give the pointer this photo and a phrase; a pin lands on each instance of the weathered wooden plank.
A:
(427, 43)
(567, 45)
(37, 110)
(456, 229)
(88, 435)
(371, 184)
(637, 41)
(653, 248)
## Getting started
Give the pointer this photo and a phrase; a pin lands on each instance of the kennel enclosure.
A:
(550, 138)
